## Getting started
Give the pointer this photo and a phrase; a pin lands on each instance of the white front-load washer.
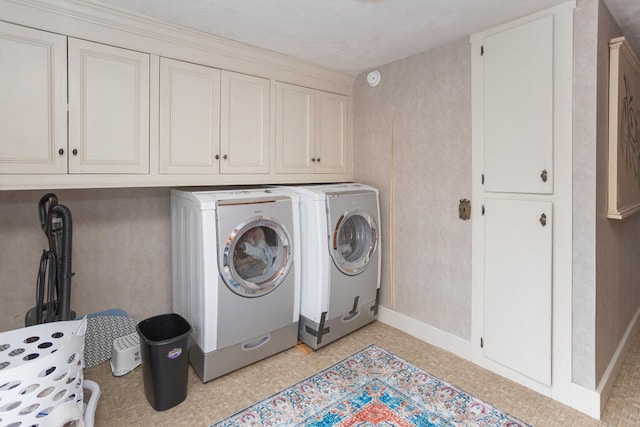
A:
(236, 274)
(340, 236)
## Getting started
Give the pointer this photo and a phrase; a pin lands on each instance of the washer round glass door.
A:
(256, 257)
(354, 241)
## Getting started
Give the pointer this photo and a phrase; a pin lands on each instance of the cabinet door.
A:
(189, 118)
(33, 101)
(330, 133)
(294, 129)
(517, 285)
(244, 118)
(518, 115)
(108, 109)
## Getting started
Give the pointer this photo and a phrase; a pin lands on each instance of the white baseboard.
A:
(592, 402)
(579, 398)
(613, 369)
(425, 332)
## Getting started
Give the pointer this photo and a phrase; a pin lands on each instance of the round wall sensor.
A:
(373, 78)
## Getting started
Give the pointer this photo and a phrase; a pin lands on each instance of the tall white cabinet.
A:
(522, 139)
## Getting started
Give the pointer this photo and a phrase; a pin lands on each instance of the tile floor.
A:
(123, 403)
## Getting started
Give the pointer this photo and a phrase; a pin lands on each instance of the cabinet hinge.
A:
(481, 343)
(481, 50)
(482, 209)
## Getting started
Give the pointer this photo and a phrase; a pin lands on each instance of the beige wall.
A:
(606, 282)
(412, 140)
(618, 242)
(120, 254)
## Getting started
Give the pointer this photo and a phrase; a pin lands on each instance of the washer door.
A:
(354, 241)
(256, 257)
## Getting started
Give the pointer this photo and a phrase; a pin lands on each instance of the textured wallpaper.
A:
(120, 252)
(617, 254)
(412, 140)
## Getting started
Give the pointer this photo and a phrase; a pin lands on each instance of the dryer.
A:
(340, 236)
(236, 274)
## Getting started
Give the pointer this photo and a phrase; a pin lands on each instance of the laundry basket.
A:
(41, 371)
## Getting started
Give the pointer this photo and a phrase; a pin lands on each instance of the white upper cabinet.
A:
(212, 121)
(90, 99)
(33, 101)
(518, 114)
(294, 129)
(330, 132)
(311, 130)
(244, 119)
(108, 109)
(189, 118)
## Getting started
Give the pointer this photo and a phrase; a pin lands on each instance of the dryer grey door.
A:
(353, 238)
(255, 255)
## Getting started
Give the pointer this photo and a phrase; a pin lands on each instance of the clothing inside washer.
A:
(256, 253)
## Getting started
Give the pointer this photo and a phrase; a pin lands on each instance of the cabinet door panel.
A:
(518, 115)
(33, 101)
(244, 116)
(294, 129)
(108, 109)
(517, 285)
(330, 132)
(189, 118)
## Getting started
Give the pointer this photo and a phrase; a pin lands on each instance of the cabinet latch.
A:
(464, 209)
(543, 175)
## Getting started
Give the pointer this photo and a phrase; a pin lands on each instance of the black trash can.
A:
(164, 342)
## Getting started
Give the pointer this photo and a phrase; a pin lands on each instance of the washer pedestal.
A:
(317, 335)
(220, 362)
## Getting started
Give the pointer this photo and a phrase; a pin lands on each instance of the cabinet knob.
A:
(225, 157)
(217, 156)
(313, 159)
(75, 151)
(543, 175)
(61, 151)
(543, 220)
(318, 160)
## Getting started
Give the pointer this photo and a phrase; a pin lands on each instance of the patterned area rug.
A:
(371, 388)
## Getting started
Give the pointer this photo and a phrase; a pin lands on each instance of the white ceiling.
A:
(352, 35)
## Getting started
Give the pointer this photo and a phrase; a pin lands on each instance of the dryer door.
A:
(354, 241)
(256, 257)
